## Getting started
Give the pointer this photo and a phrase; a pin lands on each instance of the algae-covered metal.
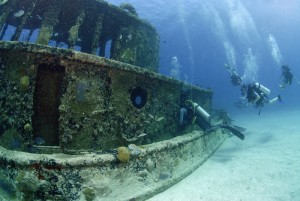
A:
(100, 176)
(89, 26)
(117, 117)
(57, 97)
(56, 100)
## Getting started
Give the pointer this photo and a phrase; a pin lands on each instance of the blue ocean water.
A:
(253, 36)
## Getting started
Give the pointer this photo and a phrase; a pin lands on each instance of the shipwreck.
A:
(84, 113)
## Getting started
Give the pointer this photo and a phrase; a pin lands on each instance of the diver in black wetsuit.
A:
(257, 94)
(236, 80)
(191, 113)
(286, 76)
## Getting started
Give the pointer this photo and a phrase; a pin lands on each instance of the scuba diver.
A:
(257, 94)
(191, 113)
(286, 76)
(236, 80)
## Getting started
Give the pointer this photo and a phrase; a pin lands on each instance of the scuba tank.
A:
(198, 109)
(262, 88)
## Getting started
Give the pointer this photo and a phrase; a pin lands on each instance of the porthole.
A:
(138, 97)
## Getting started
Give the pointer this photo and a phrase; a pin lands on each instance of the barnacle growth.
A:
(24, 82)
(123, 154)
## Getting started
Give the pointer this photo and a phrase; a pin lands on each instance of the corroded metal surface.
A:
(98, 176)
(58, 97)
(89, 26)
(117, 117)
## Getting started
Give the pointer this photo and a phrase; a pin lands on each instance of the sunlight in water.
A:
(287, 8)
(251, 67)
(230, 53)
(275, 51)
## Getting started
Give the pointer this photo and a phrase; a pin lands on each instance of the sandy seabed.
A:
(263, 167)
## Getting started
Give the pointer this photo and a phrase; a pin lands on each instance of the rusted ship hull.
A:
(78, 126)
(101, 176)
(85, 105)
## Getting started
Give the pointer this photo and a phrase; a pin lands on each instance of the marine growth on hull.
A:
(84, 113)
(56, 99)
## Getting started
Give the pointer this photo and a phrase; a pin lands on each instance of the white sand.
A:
(263, 167)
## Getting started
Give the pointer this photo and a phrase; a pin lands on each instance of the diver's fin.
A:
(234, 132)
(241, 129)
(213, 128)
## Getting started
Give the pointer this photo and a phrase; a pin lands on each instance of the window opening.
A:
(107, 49)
